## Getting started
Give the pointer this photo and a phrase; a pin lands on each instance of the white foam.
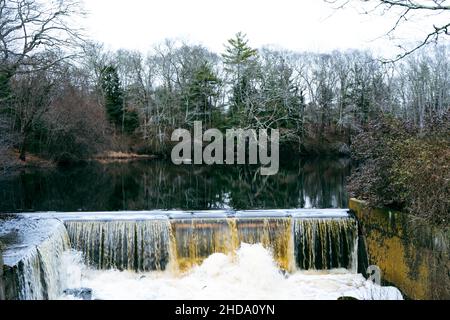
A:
(251, 274)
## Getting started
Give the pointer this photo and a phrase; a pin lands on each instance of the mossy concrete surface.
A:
(412, 254)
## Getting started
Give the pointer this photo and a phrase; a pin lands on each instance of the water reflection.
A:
(161, 185)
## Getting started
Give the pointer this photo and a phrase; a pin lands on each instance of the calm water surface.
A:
(317, 183)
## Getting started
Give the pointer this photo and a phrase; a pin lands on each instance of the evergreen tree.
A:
(126, 120)
(113, 95)
(130, 121)
(239, 54)
(202, 91)
(240, 61)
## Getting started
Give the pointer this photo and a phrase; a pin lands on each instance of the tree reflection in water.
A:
(313, 183)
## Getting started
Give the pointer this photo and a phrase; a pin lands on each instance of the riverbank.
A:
(114, 156)
(404, 167)
(10, 164)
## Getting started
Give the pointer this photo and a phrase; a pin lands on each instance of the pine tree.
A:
(240, 61)
(238, 53)
(126, 120)
(113, 94)
(202, 90)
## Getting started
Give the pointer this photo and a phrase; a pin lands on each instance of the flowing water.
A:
(153, 245)
(33, 258)
(322, 244)
(125, 245)
(250, 274)
(176, 255)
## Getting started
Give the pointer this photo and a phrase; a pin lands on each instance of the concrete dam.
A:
(167, 240)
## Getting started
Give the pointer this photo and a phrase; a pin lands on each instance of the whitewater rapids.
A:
(250, 274)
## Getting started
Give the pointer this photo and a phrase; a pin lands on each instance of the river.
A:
(148, 185)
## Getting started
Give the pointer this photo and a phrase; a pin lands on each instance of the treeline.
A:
(67, 99)
(316, 100)
(126, 100)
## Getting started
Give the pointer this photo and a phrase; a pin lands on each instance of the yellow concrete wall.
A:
(412, 255)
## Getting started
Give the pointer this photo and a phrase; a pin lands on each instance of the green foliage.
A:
(404, 167)
(241, 62)
(201, 92)
(127, 121)
(130, 121)
(238, 53)
(113, 94)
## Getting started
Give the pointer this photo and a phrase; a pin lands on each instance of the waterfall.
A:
(296, 243)
(274, 234)
(194, 240)
(326, 244)
(29, 280)
(123, 245)
(299, 243)
(306, 243)
(177, 242)
(50, 253)
(37, 276)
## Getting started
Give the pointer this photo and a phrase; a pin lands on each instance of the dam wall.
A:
(163, 240)
(413, 255)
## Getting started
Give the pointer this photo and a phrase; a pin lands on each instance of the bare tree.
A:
(76, 124)
(32, 99)
(406, 11)
(35, 36)
(31, 26)
(6, 141)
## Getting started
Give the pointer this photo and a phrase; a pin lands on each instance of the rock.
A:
(81, 293)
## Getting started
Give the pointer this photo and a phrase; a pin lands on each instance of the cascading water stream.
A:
(322, 244)
(123, 245)
(38, 276)
(158, 243)
(295, 243)
(194, 240)
(275, 234)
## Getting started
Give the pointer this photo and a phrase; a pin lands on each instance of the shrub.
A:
(74, 129)
(403, 167)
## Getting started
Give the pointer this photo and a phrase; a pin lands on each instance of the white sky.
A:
(302, 25)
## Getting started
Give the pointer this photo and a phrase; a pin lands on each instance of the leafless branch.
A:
(406, 9)
(28, 27)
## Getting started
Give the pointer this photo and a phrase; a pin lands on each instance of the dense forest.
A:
(128, 101)
(67, 99)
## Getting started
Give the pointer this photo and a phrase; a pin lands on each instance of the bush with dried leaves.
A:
(404, 167)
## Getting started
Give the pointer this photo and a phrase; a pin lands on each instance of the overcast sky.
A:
(292, 24)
